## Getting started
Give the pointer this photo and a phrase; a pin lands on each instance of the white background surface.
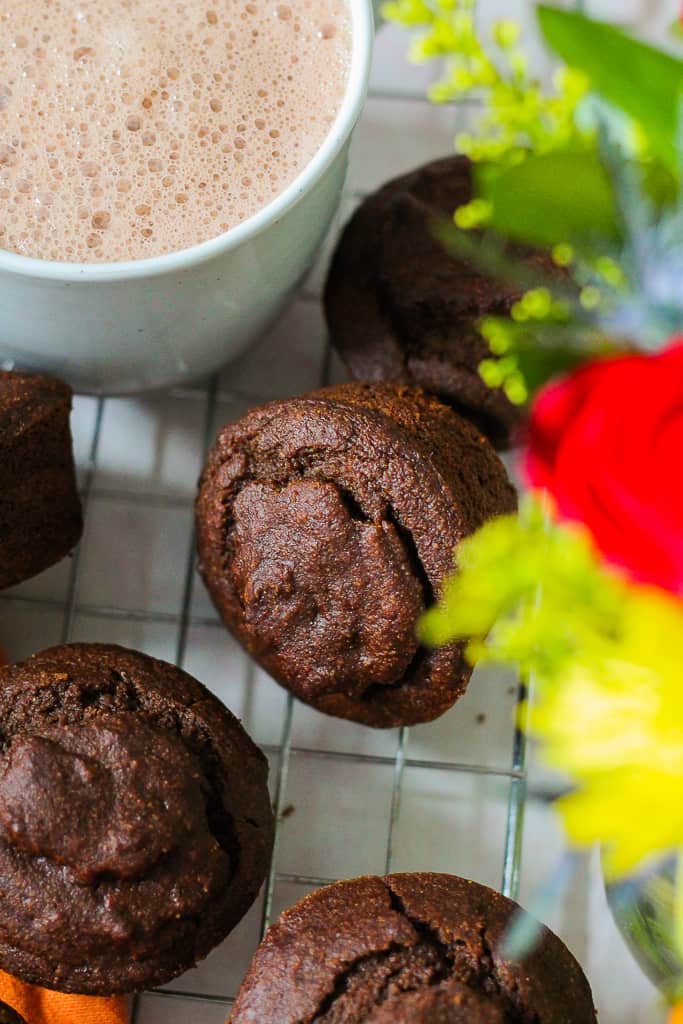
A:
(131, 585)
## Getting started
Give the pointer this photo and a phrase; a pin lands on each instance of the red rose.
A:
(607, 443)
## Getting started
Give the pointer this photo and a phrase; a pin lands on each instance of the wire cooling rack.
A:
(76, 612)
(194, 1002)
(448, 796)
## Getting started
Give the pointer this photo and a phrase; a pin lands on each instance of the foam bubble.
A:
(130, 130)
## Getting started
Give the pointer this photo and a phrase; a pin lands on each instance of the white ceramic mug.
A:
(121, 327)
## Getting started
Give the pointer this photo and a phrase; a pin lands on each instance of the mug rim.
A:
(362, 32)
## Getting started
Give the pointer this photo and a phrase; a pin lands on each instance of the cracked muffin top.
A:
(418, 948)
(448, 1002)
(327, 523)
(135, 821)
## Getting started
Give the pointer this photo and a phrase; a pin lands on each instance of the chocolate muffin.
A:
(9, 1016)
(326, 525)
(135, 821)
(399, 308)
(40, 511)
(411, 948)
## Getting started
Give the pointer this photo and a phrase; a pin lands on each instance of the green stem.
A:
(678, 904)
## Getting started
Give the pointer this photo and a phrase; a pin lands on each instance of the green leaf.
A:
(678, 904)
(644, 82)
(551, 198)
(538, 364)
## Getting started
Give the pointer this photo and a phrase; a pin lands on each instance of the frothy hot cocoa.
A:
(132, 128)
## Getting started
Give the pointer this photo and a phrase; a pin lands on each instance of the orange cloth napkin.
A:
(39, 1006)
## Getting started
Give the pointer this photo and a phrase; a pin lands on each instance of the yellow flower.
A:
(614, 722)
(606, 659)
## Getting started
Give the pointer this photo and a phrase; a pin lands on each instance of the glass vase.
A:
(644, 910)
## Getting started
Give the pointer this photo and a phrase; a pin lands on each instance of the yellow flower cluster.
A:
(519, 116)
(605, 659)
(614, 721)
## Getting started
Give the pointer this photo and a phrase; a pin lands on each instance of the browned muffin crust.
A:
(353, 952)
(448, 1002)
(9, 1016)
(399, 308)
(326, 525)
(135, 820)
(40, 510)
